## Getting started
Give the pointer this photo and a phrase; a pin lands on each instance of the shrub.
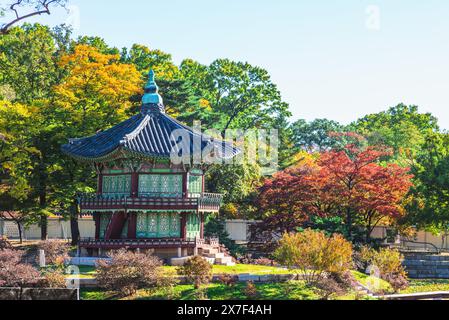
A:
(197, 271)
(259, 261)
(315, 254)
(128, 271)
(327, 288)
(56, 252)
(5, 244)
(166, 285)
(251, 290)
(389, 264)
(53, 279)
(227, 279)
(15, 273)
(335, 284)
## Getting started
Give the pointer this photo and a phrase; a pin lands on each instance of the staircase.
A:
(427, 266)
(214, 256)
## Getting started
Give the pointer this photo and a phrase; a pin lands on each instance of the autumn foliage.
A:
(351, 183)
(315, 254)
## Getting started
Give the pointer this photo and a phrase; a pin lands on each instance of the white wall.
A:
(57, 229)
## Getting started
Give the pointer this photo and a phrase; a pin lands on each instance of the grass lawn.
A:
(293, 290)
(89, 272)
(242, 269)
(370, 282)
(427, 285)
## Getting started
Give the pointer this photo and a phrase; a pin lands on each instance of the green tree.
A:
(429, 207)
(237, 94)
(402, 128)
(316, 136)
(27, 62)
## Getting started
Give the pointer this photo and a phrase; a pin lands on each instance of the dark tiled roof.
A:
(147, 134)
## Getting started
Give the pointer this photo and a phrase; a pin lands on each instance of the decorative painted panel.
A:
(119, 185)
(193, 226)
(141, 225)
(105, 218)
(166, 185)
(158, 225)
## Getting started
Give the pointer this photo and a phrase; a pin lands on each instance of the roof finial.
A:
(151, 96)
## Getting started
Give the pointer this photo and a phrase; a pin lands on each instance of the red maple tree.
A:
(351, 183)
(364, 191)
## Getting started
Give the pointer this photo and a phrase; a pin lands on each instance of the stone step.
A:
(214, 255)
(209, 251)
(224, 260)
(427, 257)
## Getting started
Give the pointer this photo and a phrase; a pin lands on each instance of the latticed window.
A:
(165, 185)
(158, 225)
(195, 185)
(119, 185)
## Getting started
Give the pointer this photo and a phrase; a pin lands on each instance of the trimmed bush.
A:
(227, 279)
(127, 272)
(251, 290)
(197, 271)
(315, 254)
(14, 273)
(56, 252)
(389, 264)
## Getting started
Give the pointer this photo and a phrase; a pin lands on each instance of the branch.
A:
(45, 9)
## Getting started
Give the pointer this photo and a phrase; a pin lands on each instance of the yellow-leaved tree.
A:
(97, 91)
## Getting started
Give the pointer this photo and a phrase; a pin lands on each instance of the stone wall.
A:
(38, 294)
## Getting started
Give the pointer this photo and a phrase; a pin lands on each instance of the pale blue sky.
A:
(330, 58)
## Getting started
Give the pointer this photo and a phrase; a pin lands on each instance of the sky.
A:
(330, 59)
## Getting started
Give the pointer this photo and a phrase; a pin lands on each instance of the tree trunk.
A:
(368, 234)
(43, 200)
(19, 228)
(349, 223)
(74, 227)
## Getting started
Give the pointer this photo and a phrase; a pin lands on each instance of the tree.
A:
(27, 63)
(96, 93)
(315, 136)
(39, 6)
(402, 128)
(348, 183)
(429, 207)
(146, 59)
(238, 94)
(363, 191)
(17, 197)
(290, 198)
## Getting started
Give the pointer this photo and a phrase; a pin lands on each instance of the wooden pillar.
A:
(100, 184)
(202, 226)
(132, 225)
(184, 226)
(97, 225)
